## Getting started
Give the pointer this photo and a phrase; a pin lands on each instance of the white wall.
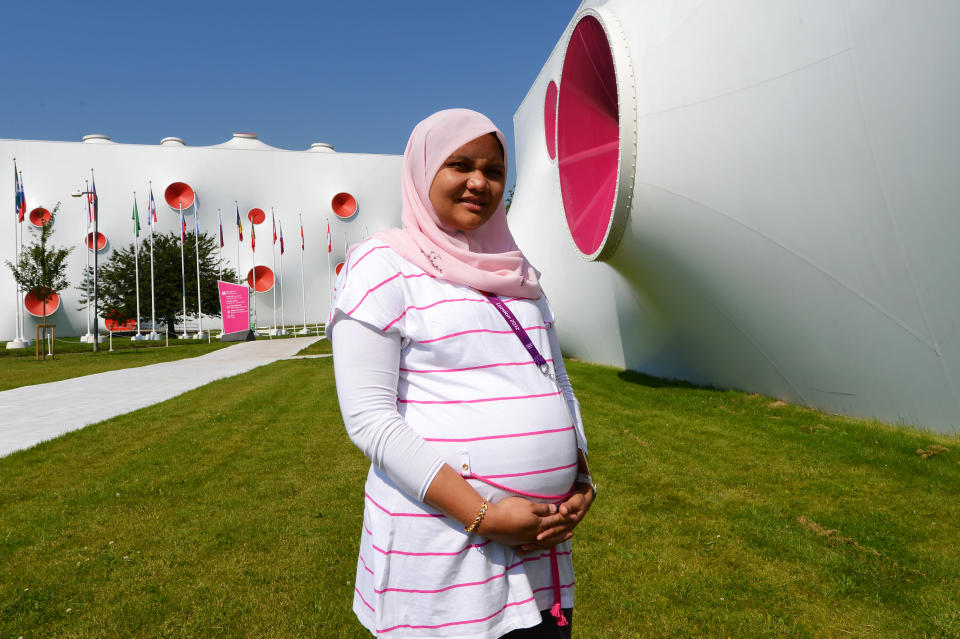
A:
(290, 181)
(794, 213)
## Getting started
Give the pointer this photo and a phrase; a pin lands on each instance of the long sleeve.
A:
(366, 363)
(563, 381)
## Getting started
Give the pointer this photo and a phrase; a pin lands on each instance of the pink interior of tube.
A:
(101, 241)
(588, 135)
(344, 205)
(39, 216)
(263, 277)
(550, 119)
(179, 195)
(34, 304)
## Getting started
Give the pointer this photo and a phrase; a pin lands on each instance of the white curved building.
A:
(755, 195)
(356, 193)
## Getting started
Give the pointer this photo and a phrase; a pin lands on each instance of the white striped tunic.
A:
(468, 387)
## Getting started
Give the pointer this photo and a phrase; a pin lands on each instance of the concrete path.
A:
(32, 414)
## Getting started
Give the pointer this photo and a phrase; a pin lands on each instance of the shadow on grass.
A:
(642, 379)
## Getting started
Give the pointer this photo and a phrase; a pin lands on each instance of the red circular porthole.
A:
(34, 304)
(595, 141)
(550, 119)
(344, 205)
(257, 216)
(338, 267)
(262, 276)
(179, 196)
(101, 241)
(40, 216)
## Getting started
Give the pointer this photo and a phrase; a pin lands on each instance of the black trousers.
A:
(546, 629)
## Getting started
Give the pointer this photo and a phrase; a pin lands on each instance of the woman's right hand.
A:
(516, 521)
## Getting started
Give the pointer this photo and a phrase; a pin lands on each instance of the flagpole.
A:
(220, 247)
(86, 249)
(239, 241)
(253, 271)
(183, 268)
(17, 341)
(283, 323)
(196, 244)
(153, 317)
(273, 252)
(19, 252)
(136, 262)
(96, 261)
(303, 295)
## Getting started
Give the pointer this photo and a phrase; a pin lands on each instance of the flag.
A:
(19, 201)
(345, 247)
(239, 225)
(220, 221)
(253, 237)
(135, 216)
(196, 214)
(281, 238)
(329, 239)
(302, 240)
(151, 209)
(92, 198)
(273, 221)
(183, 228)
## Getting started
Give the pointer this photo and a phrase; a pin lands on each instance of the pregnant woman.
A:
(450, 380)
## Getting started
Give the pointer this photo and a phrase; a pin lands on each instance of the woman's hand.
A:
(560, 528)
(516, 521)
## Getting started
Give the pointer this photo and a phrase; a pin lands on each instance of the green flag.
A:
(135, 216)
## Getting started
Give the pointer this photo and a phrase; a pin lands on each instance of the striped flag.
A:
(303, 242)
(183, 228)
(151, 209)
(281, 238)
(273, 221)
(135, 216)
(239, 225)
(253, 237)
(196, 214)
(329, 239)
(92, 198)
(220, 221)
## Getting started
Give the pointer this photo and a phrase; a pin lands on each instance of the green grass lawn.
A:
(234, 511)
(320, 347)
(73, 361)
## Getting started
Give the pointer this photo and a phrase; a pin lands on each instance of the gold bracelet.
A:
(476, 522)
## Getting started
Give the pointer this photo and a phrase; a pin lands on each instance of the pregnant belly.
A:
(507, 451)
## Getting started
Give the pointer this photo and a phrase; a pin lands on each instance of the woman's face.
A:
(469, 185)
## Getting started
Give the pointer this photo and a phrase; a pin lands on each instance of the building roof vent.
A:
(321, 147)
(250, 141)
(97, 138)
(171, 141)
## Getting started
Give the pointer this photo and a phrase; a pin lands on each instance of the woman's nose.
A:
(476, 181)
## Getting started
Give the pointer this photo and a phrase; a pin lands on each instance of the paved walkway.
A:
(32, 414)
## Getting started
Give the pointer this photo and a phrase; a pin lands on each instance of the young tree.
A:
(117, 294)
(42, 269)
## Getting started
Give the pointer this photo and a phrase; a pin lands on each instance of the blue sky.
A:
(358, 75)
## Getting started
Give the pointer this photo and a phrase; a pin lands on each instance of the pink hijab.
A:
(486, 259)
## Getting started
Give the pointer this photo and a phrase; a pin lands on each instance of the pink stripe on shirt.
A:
(532, 472)
(389, 279)
(372, 501)
(480, 330)
(375, 248)
(508, 435)
(474, 401)
(455, 623)
(468, 368)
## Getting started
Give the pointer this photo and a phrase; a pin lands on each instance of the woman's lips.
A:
(473, 205)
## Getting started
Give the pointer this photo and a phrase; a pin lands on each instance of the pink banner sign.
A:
(234, 307)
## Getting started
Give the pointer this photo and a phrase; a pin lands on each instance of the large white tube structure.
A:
(755, 195)
(244, 169)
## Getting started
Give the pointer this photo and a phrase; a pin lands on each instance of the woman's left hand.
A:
(572, 512)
